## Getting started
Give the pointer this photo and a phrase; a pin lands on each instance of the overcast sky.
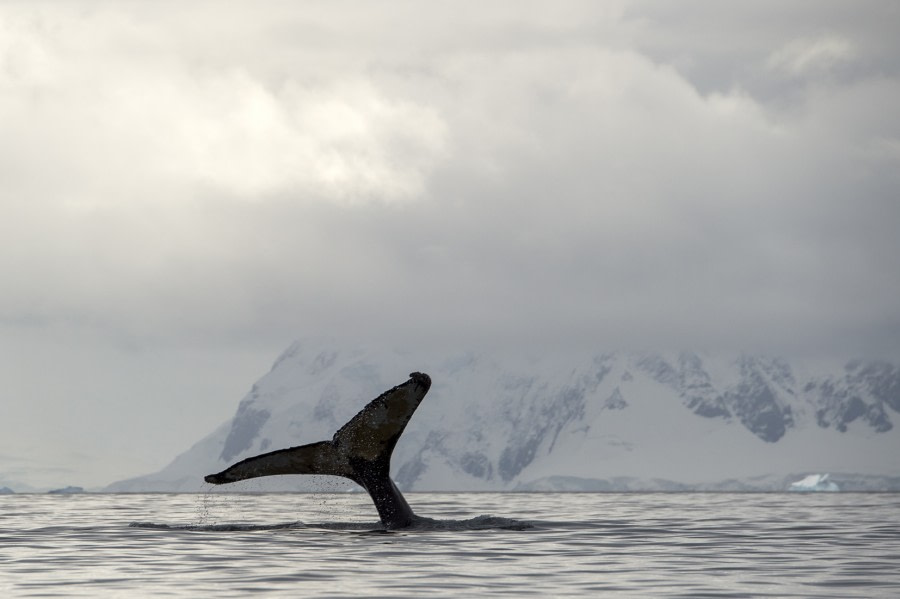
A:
(187, 187)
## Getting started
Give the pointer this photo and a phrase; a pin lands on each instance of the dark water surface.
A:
(540, 545)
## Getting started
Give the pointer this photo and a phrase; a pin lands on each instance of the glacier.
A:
(602, 421)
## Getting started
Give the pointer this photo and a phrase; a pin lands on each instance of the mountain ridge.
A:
(508, 422)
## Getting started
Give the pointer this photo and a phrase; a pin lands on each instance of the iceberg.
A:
(814, 482)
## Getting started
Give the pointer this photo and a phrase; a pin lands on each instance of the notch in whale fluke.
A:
(360, 450)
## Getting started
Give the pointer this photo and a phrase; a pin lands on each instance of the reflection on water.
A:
(641, 545)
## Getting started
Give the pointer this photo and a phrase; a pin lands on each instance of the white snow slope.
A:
(609, 421)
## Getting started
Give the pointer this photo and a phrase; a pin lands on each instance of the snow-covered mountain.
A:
(572, 422)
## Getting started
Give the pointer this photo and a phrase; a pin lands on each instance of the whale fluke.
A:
(360, 450)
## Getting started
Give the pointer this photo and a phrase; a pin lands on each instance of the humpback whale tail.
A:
(360, 450)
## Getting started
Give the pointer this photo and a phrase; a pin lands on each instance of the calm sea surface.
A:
(541, 545)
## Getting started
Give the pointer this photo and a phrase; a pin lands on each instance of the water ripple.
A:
(629, 545)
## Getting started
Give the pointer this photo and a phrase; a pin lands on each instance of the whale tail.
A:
(360, 450)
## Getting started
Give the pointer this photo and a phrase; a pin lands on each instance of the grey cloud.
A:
(576, 190)
(722, 46)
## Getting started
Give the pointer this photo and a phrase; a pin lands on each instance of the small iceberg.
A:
(812, 483)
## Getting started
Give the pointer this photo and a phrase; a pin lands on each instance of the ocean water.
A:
(516, 545)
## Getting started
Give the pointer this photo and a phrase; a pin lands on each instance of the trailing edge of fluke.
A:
(360, 450)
